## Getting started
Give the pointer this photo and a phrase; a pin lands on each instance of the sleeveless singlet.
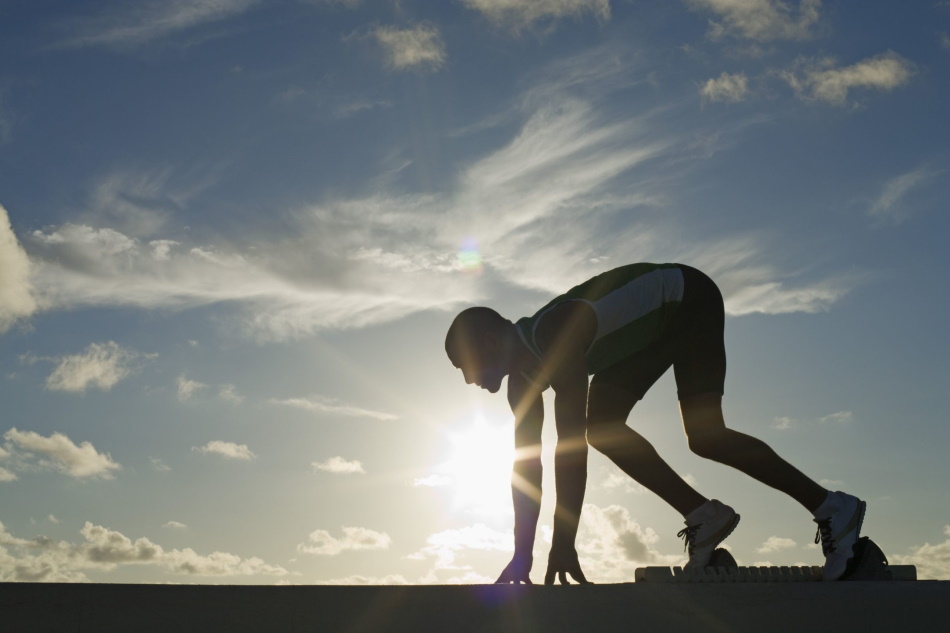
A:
(633, 305)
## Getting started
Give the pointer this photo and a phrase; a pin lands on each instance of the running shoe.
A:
(706, 527)
(839, 521)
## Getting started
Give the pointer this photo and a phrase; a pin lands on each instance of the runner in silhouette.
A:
(626, 327)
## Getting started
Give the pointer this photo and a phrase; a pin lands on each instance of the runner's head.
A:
(475, 344)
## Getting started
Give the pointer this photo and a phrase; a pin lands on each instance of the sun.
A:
(478, 468)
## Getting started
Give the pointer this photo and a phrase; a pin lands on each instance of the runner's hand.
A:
(561, 562)
(517, 570)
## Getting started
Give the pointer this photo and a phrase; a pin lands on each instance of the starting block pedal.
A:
(868, 563)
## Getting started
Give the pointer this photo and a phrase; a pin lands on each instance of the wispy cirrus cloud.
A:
(545, 210)
(135, 23)
(28, 450)
(890, 206)
(516, 15)
(761, 20)
(321, 404)
(42, 559)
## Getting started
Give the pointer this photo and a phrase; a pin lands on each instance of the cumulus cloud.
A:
(135, 23)
(519, 14)
(226, 449)
(187, 388)
(611, 544)
(416, 48)
(932, 561)
(760, 20)
(100, 366)
(340, 466)
(332, 406)
(322, 543)
(823, 81)
(775, 544)
(16, 290)
(727, 87)
(102, 550)
(890, 206)
(57, 452)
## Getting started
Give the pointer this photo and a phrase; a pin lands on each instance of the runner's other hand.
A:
(517, 570)
(561, 562)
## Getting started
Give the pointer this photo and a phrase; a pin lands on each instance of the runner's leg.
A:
(607, 409)
(710, 438)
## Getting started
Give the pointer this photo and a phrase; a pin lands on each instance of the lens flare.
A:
(469, 259)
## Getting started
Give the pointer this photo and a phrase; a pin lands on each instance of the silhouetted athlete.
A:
(626, 327)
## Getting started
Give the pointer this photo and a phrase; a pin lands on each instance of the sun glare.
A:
(478, 469)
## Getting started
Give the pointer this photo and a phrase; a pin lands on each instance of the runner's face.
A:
(482, 372)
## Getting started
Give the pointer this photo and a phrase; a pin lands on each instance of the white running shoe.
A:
(706, 527)
(839, 521)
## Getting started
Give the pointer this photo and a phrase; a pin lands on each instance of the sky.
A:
(233, 234)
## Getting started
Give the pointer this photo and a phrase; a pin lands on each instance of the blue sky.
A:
(234, 232)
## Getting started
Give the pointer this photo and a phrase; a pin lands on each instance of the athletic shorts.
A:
(692, 343)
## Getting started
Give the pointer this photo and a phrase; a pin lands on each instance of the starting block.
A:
(868, 563)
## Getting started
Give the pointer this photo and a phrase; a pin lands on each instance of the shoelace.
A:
(688, 534)
(823, 536)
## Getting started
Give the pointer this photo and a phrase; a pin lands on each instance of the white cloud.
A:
(932, 561)
(187, 388)
(58, 452)
(175, 525)
(332, 406)
(354, 263)
(340, 466)
(229, 393)
(727, 87)
(159, 465)
(52, 519)
(612, 544)
(519, 14)
(775, 544)
(821, 80)
(226, 449)
(890, 207)
(102, 366)
(623, 482)
(104, 550)
(420, 47)
(783, 423)
(322, 543)
(7, 475)
(761, 20)
(143, 21)
(16, 291)
(841, 417)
